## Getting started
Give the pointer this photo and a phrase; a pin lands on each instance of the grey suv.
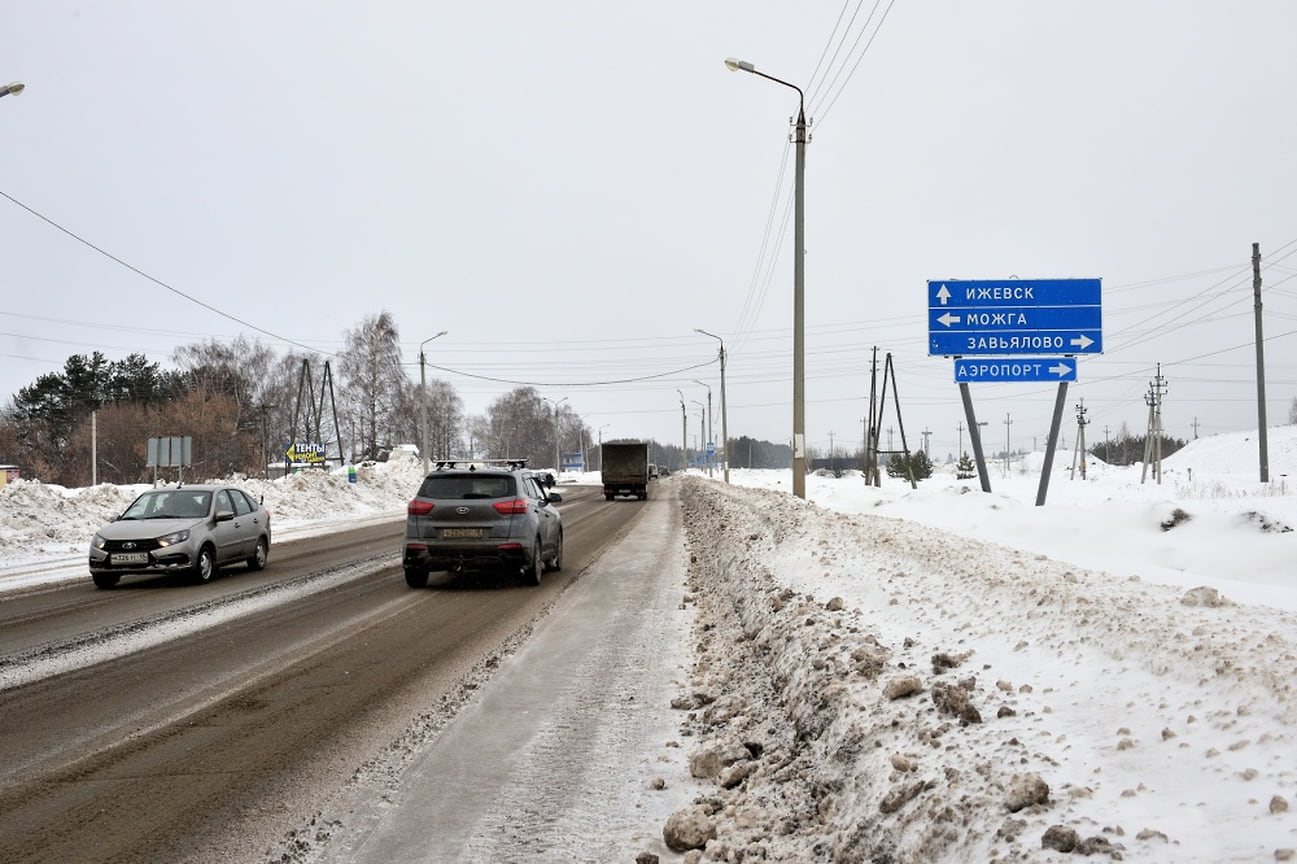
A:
(186, 529)
(474, 516)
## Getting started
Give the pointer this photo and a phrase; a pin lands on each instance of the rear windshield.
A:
(467, 485)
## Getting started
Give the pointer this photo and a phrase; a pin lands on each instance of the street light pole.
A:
(725, 430)
(702, 427)
(708, 426)
(423, 401)
(799, 279)
(684, 433)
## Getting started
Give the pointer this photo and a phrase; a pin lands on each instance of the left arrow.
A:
(948, 319)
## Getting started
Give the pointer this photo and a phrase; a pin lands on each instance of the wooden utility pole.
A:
(1262, 443)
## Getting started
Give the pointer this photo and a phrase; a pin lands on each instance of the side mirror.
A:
(554, 498)
(224, 515)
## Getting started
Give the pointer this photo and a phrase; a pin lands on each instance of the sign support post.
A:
(1052, 445)
(975, 437)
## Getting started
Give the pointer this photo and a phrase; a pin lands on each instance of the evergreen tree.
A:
(965, 469)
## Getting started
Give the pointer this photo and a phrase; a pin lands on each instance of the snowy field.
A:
(940, 674)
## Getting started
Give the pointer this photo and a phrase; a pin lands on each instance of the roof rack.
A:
(474, 464)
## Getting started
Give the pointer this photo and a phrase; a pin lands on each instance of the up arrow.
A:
(943, 294)
(1082, 342)
(948, 319)
(1060, 369)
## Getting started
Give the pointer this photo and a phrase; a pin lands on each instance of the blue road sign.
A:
(1015, 369)
(1015, 316)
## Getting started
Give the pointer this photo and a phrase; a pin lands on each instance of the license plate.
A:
(462, 533)
(130, 558)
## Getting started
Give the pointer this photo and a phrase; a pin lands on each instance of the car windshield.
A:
(170, 504)
(462, 486)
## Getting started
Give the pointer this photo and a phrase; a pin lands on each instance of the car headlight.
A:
(98, 542)
(173, 538)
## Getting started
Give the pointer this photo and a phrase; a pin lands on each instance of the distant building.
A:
(8, 473)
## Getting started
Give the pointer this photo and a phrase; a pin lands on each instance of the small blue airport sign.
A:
(1003, 369)
(1014, 317)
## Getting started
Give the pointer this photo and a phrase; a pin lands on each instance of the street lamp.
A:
(423, 401)
(707, 428)
(799, 262)
(702, 428)
(684, 433)
(725, 430)
(601, 428)
(558, 462)
(14, 88)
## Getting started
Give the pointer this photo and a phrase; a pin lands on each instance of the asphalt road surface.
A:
(164, 721)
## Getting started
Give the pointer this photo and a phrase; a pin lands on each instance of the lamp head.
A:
(735, 65)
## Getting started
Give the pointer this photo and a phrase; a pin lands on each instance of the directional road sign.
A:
(1014, 316)
(1015, 369)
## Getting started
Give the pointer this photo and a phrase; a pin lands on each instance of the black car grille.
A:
(130, 545)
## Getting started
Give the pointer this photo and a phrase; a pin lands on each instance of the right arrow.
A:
(1082, 342)
(1060, 369)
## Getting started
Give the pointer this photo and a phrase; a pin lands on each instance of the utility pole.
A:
(926, 433)
(960, 427)
(1008, 445)
(1081, 423)
(1195, 428)
(1261, 440)
(1153, 441)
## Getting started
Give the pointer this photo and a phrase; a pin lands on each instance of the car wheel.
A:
(607, 497)
(535, 565)
(205, 566)
(258, 559)
(105, 580)
(556, 561)
(416, 578)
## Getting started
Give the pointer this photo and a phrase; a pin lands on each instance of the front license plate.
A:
(462, 533)
(130, 558)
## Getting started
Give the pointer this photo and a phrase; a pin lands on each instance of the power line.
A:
(149, 277)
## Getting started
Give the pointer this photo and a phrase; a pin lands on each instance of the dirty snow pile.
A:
(876, 689)
(41, 522)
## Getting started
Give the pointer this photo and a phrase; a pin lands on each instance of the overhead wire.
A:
(151, 278)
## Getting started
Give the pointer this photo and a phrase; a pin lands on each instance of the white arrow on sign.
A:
(943, 294)
(1082, 342)
(948, 319)
(1060, 369)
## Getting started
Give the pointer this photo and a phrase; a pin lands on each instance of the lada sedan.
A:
(192, 530)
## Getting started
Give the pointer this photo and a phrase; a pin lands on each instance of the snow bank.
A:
(869, 689)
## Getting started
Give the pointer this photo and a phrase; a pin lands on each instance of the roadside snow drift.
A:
(873, 690)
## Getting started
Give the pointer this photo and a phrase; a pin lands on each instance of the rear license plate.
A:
(130, 558)
(462, 533)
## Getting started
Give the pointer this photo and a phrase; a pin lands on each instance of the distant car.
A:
(471, 517)
(193, 530)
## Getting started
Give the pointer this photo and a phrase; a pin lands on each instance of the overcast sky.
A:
(570, 188)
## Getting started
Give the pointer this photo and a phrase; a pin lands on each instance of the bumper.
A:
(168, 563)
(461, 559)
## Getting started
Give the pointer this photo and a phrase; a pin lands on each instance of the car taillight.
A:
(511, 508)
(419, 508)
